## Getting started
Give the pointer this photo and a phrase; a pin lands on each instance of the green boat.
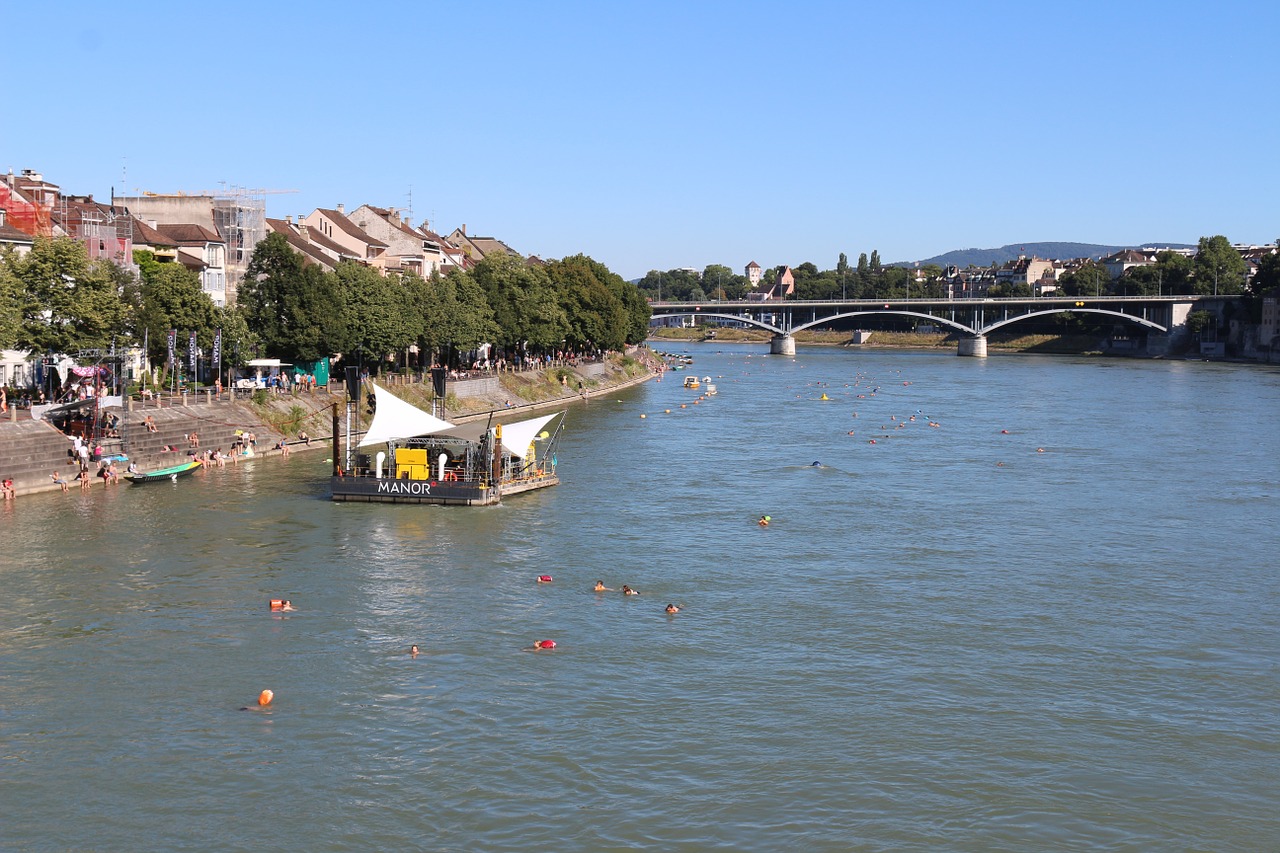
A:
(173, 472)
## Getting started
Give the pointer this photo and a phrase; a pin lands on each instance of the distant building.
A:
(477, 248)
(784, 285)
(1127, 259)
(754, 273)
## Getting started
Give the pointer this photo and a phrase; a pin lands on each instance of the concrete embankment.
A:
(160, 432)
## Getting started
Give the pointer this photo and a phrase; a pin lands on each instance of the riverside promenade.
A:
(32, 450)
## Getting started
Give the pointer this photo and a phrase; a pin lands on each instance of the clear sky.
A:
(667, 134)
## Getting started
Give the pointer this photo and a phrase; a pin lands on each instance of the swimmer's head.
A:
(265, 697)
(413, 650)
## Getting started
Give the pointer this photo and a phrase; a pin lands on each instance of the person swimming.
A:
(671, 608)
(816, 464)
(764, 521)
(626, 590)
(600, 587)
(541, 645)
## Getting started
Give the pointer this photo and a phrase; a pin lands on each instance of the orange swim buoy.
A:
(265, 697)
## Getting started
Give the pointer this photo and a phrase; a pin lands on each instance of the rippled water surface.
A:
(946, 640)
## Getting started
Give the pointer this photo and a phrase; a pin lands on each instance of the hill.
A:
(987, 257)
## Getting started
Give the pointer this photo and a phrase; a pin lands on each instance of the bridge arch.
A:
(1073, 310)
(959, 327)
(732, 317)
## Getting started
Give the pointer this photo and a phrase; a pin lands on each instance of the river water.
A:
(945, 640)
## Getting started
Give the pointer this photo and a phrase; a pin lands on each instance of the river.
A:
(1048, 622)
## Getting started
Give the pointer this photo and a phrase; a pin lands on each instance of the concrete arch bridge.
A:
(974, 319)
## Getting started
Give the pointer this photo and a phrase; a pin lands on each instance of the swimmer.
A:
(281, 604)
(764, 521)
(413, 651)
(542, 645)
(600, 587)
(1039, 450)
(626, 590)
(816, 464)
(671, 608)
(544, 578)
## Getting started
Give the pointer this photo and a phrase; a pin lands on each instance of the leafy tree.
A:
(1089, 279)
(294, 307)
(375, 309)
(714, 279)
(525, 309)
(875, 262)
(67, 302)
(10, 303)
(842, 265)
(1218, 267)
(597, 316)
(171, 298)
(1267, 278)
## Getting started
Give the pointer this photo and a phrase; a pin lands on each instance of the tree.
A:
(10, 304)
(294, 307)
(1218, 267)
(1089, 279)
(171, 298)
(597, 317)
(523, 301)
(842, 265)
(875, 262)
(68, 303)
(376, 309)
(714, 279)
(1267, 278)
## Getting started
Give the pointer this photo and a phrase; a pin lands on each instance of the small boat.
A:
(173, 472)
(692, 382)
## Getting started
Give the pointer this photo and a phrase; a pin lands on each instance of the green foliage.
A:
(1218, 267)
(1198, 321)
(377, 309)
(295, 308)
(1267, 278)
(1089, 279)
(66, 302)
(10, 302)
(172, 299)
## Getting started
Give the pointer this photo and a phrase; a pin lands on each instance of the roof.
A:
(753, 264)
(350, 228)
(300, 245)
(145, 235)
(188, 234)
(9, 234)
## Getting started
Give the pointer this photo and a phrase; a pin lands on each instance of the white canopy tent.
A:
(394, 419)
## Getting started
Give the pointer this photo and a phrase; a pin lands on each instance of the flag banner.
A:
(216, 358)
(173, 345)
(191, 353)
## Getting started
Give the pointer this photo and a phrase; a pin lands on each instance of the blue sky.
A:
(665, 134)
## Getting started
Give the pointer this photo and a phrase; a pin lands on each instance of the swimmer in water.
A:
(626, 590)
(764, 521)
(413, 651)
(544, 645)
(671, 608)
(600, 587)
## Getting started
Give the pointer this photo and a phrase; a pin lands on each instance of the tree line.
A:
(55, 299)
(1215, 268)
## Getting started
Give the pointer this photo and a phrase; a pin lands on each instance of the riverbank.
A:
(1050, 344)
(30, 450)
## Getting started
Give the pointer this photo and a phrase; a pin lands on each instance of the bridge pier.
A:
(975, 347)
(782, 345)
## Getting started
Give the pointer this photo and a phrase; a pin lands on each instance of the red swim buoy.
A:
(545, 644)
(1004, 432)
(872, 441)
(544, 578)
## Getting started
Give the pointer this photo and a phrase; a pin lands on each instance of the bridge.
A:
(973, 319)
